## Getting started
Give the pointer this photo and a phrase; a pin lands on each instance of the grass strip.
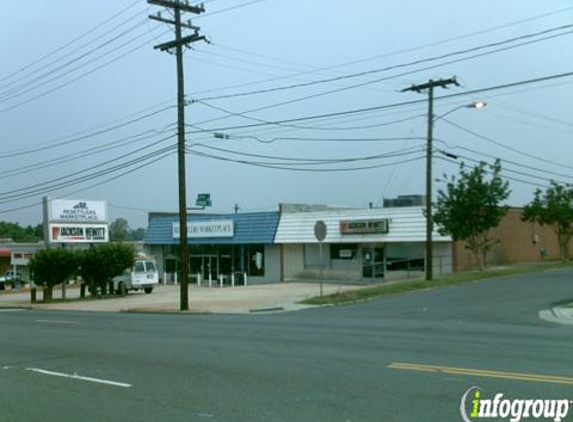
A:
(400, 287)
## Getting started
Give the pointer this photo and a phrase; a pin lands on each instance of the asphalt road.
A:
(330, 364)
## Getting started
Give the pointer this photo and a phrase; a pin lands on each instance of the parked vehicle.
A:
(10, 277)
(142, 276)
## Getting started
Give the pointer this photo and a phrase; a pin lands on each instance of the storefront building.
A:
(368, 245)
(220, 246)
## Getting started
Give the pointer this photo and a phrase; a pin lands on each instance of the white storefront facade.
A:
(368, 245)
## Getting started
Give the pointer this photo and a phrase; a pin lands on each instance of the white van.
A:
(142, 276)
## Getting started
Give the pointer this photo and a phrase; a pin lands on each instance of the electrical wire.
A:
(502, 145)
(31, 85)
(381, 107)
(279, 167)
(60, 181)
(74, 40)
(408, 64)
(109, 146)
(515, 179)
(55, 143)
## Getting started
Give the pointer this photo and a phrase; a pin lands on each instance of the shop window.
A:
(256, 260)
(345, 251)
(404, 264)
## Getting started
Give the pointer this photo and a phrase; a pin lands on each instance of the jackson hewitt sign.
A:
(217, 228)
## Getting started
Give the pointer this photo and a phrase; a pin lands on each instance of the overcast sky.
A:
(87, 105)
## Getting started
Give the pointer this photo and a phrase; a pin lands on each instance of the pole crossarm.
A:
(186, 7)
(442, 83)
(158, 18)
(189, 39)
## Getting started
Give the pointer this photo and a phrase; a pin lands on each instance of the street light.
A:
(429, 222)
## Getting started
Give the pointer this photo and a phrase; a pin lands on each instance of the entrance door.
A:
(210, 267)
(372, 263)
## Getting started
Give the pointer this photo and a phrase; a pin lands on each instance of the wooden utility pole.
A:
(429, 86)
(178, 7)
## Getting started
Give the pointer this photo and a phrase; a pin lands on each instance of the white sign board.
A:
(77, 210)
(78, 233)
(198, 229)
(19, 258)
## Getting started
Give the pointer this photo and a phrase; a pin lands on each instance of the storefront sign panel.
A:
(364, 226)
(200, 229)
(78, 233)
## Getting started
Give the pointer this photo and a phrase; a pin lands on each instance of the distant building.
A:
(405, 201)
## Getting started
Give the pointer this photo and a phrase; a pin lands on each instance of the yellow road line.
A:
(481, 373)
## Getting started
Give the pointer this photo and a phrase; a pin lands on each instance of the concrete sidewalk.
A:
(227, 300)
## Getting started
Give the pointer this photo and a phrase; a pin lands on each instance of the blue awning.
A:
(249, 228)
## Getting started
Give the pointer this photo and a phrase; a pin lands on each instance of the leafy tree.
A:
(100, 264)
(554, 207)
(470, 207)
(51, 267)
(21, 234)
(137, 234)
(119, 230)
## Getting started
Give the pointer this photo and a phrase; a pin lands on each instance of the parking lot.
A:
(165, 298)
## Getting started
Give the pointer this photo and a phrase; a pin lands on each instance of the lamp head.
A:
(477, 104)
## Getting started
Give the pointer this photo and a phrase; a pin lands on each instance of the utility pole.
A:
(429, 86)
(178, 8)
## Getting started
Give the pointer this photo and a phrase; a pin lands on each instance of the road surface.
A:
(404, 358)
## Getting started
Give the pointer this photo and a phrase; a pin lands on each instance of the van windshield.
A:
(139, 267)
(150, 266)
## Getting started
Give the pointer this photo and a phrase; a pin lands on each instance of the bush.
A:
(51, 267)
(100, 264)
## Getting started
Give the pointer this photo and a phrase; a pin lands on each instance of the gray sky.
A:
(262, 45)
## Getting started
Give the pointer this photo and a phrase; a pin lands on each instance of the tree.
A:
(137, 234)
(100, 264)
(119, 230)
(21, 234)
(470, 207)
(554, 207)
(51, 267)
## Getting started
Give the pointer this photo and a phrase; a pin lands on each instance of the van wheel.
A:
(121, 289)
(148, 290)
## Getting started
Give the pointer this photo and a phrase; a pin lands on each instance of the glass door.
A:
(373, 266)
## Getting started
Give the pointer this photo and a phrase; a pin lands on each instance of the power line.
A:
(502, 145)
(398, 52)
(381, 107)
(295, 161)
(55, 143)
(55, 182)
(512, 162)
(122, 56)
(6, 91)
(311, 170)
(58, 49)
(38, 81)
(408, 64)
(84, 189)
(515, 179)
(109, 146)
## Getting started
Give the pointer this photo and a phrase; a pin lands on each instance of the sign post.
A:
(320, 234)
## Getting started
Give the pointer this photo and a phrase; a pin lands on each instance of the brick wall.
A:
(518, 242)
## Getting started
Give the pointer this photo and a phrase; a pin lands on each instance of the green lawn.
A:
(412, 285)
